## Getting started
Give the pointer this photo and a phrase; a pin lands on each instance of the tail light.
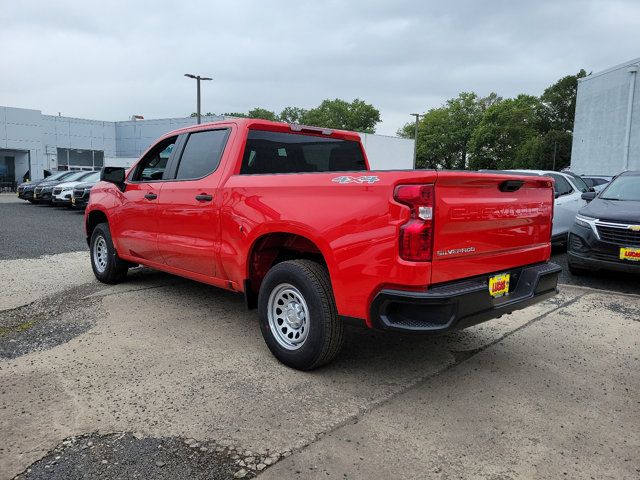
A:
(416, 236)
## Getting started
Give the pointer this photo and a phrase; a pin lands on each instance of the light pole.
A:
(197, 78)
(415, 140)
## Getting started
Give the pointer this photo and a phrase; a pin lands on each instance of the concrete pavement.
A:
(545, 391)
(558, 398)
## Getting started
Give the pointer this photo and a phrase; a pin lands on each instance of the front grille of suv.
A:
(57, 191)
(79, 192)
(619, 235)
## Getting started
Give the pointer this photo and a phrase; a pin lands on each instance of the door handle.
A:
(151, 196)
(203, 197)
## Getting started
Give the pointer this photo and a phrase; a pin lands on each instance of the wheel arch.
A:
(94, 218)
(272, 248)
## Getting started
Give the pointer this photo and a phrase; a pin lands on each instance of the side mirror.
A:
(556, 194)
(113, 175)
(588, 196)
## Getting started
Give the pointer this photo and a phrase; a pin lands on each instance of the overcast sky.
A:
(110, 59)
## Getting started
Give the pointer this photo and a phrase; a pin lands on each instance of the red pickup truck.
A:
(292, 217)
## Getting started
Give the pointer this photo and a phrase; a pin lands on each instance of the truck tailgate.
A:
(487, 223)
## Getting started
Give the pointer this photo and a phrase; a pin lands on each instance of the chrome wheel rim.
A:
(288, 316)
(100, 254)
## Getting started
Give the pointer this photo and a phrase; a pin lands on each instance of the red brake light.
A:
(416, 236)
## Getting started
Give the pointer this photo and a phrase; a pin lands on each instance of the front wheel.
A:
(298, 315)
(107, 266)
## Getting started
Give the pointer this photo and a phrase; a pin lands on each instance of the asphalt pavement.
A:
(30, 231)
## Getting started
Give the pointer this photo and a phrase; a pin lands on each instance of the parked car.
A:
(43, 193)
(293, 218)
(568, 189)
(598, 183)
(63, 192)
(81, 193)
(26, 189)
(606, 233)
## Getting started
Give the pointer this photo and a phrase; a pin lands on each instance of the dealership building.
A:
(31, 143)
(606, 134)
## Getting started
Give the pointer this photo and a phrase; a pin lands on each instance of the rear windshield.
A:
(626, 187)
(274, 152)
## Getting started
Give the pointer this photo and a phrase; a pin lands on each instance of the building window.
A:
(77, 159)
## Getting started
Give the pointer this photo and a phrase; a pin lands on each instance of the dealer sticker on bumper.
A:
(499, 285)
(627, 253)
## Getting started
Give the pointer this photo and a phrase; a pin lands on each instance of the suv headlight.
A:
(588, 222)
(585, 221)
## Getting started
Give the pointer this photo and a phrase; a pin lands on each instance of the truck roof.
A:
(259, 124)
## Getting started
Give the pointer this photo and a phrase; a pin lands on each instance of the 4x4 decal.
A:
(362, 179)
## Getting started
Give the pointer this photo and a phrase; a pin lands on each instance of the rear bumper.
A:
(461, 304)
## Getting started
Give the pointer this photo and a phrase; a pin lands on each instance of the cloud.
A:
(108, 60)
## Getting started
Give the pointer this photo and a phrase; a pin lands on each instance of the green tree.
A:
(538, 152)
(444, 132)
(505, 127)
(559, 101)
(292, 115)
(263, 114)
(357, 115)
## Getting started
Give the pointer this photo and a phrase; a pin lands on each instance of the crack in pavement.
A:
(362, 411)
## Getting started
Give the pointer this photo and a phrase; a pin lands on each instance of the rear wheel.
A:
(107, 266)
(298, 315)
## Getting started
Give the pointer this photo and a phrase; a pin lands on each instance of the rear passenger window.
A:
(276, 152)
(201, 154)
(560, 186)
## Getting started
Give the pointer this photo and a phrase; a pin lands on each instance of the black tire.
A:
(325, 332)
(113, 270)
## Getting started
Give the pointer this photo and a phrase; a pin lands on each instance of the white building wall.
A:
(76, 133)
(600, 122)
(388, 153)
(20, 129)
(135, 136)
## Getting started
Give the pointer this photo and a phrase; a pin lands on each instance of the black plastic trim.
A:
(250, 297)
(463, 303)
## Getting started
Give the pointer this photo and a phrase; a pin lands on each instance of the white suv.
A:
(568, 189)
(62, 192)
